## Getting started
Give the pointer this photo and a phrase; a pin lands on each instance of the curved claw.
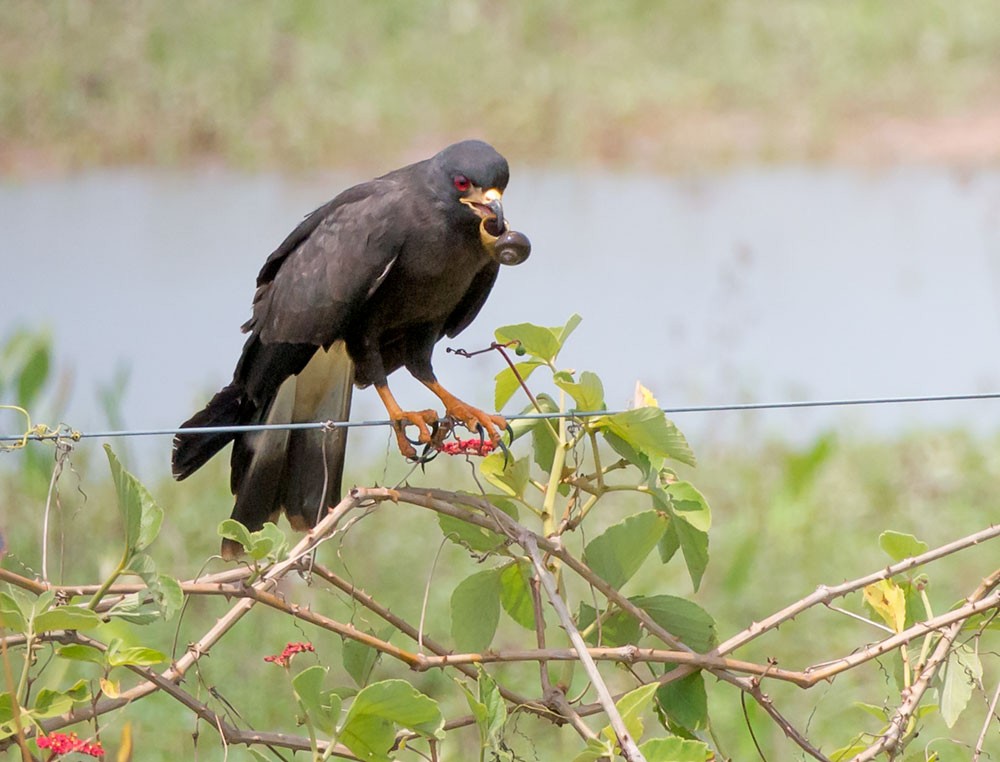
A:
(505, 451)
(510, 432)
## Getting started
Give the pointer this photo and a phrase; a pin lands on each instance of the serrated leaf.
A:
(688, 513)
(682, 618)
(322, 706)
(888, 601)
(141, 515)
(131, 608)
(80, 652)
(596, 749)
(512, 479)
(899, 545)
(507, 383)
(647, 431)
(685, 701)
(231, 529)
(617, 629)
(168, 594)
(587, 393)
(50, 703)
(489, 710)
(67, 618)
(359, 659)
(630, 708)
(475, 610)
(690, 505)
(617, 553)
(962, 673)
(136, 656)
(11, 615)
(540, 342)
(369, 729)
(676, 750)
(476, 538)
(515, 593)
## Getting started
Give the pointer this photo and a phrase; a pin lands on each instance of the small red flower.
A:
(62, 743)
(467, 447)
(285, 657)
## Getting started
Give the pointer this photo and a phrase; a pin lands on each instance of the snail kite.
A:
(366, 284)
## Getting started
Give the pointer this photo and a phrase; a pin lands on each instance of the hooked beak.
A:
(487, 205)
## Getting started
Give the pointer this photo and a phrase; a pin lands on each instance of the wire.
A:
(733, 407)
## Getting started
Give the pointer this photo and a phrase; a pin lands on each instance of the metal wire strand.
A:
(732, 407)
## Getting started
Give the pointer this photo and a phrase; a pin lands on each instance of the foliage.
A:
(88, 83)
(563, 606)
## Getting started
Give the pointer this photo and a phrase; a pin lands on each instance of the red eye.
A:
(462, 183)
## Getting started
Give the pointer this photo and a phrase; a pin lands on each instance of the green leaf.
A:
(511, 480)
(681, 618)
(630, 707)
(167, 594)
(669, 543)
(692, 520)
(596, 749)
(141, 515)
(50, 703)
(647, 431)
(67, 618)
(80, 652)
(507, 383)
(543, 343)
(619, 551)
(685, 701)
(12, 617)
(476, 538)
(490, 711)
(899, 546)
(369, 728)
(617, 629)
(231, 529)
(359, 659)
(675, 750)
(515, 593)
(136, 656)
(475, 610)
(131, 608)
(587, 393)
(690, 505)
(323, 707)
(962, 673)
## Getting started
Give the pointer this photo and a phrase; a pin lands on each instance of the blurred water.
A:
(754, 284)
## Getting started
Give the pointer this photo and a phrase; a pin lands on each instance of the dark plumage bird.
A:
(366, 284)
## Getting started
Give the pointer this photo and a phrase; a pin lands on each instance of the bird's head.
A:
(468, 179)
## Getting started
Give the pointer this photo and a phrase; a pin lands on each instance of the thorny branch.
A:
(749, 677)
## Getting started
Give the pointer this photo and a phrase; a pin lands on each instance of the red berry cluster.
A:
(61, 743)
(291, 649)
(467, 447)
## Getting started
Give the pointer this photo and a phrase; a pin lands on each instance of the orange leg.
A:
(400, 418)
(470, 416)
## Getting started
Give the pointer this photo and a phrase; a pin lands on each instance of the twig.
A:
(890, 741)
(990, 716)
(625, 741)
(825, 594)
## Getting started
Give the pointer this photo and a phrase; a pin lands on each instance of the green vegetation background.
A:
(644, 85)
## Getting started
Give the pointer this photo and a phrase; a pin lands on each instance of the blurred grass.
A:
(323, 83)
(785, 520)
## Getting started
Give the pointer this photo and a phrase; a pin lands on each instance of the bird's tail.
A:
(299, 471)
(192, 451)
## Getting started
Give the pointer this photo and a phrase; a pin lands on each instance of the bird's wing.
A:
(473, 300)
(323, 273)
